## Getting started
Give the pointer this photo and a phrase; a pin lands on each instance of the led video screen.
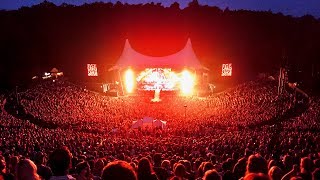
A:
(92, 69)
(226, 70)
(157, 78)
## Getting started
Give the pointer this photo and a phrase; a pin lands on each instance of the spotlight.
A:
(187, 82)
(129, 80)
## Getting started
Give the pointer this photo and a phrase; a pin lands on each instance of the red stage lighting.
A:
(187, 82)
(129, 80)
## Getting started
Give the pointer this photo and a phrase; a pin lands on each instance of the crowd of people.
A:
(205, 138)
(70, 106)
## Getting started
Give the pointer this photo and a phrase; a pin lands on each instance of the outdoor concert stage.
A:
(176, 74)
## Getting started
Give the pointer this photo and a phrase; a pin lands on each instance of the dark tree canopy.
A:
(33, 40)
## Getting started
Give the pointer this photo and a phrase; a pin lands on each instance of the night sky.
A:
(287, 7)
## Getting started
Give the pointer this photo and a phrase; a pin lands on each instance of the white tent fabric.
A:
(148, 122)
(137, 124)
(184, 58)
(159, 123)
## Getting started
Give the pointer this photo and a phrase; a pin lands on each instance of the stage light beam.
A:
(187, 83)
(129, 80)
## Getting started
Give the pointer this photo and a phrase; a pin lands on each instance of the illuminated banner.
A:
(226, 69)
(92, 69)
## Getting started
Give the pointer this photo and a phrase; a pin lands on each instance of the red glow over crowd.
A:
(245, 132)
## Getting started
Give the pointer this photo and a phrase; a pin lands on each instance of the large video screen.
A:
(92, 69)
(158, 78)
(226, 69)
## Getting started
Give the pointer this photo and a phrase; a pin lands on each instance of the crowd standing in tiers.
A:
(210, 138)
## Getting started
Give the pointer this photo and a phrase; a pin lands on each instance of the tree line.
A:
(38, 38)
